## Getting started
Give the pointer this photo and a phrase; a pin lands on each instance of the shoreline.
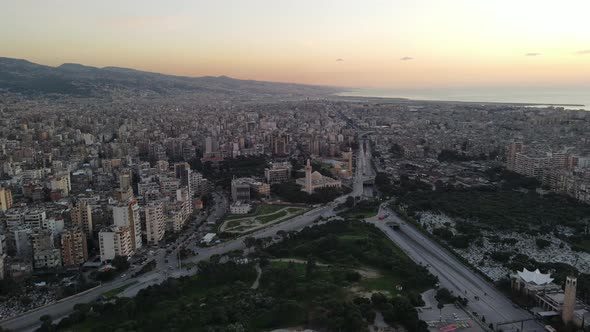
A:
(344, 96)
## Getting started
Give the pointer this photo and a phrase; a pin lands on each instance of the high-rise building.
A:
(198, 183)
(155, 222)
(278, 172)
(35, 218)
(22, 242)
(45, 255)
(81, 215)
(74, 250)
(183, 173)
(211, 145)
(127, 215)
(530, 166)
(115, 241)
(240, 191)
(279, 144)
(15, 219)
(42, 239)
(125, 181)
(61, 183)
(513, 149)
(5, 199)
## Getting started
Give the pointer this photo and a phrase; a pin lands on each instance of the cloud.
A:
(156, 22)
(407, 58)
(583, 52)
(339, 60)
(532, 54)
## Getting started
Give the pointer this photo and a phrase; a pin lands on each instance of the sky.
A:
(361, 43)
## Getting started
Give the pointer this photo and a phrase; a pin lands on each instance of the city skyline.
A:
(388, 44)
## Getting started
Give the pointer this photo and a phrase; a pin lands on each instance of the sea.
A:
(568, 98)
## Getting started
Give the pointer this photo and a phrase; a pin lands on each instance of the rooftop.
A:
(535, 277)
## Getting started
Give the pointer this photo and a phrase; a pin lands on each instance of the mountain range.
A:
(22, 76)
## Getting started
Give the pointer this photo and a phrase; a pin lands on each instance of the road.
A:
(454, 275)
(167, 262)
(363, 170)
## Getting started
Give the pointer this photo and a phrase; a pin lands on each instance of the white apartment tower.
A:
(127, 215)
(115, 241)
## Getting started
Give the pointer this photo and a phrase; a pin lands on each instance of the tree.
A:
(120, 263)
(250, 242)
(349, 202)
(444, 296)
(310, 267)
(397, 151)
(46, 325)
(542, 243)
(378, 300)
(45, 318)
(483, 319)
(440, 306)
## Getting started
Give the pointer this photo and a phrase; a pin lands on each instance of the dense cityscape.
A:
(105, 196)
(295, 166)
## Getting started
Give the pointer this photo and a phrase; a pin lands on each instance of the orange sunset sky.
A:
(370, 43)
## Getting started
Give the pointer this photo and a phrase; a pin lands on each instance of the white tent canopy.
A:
(535, 277)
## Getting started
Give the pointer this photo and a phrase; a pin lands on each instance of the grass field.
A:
(356, 245)
(363, 210)
(385, 282)
(299, 267)
(114, 292)
(259, 210)
(263, 215)
(271, 217)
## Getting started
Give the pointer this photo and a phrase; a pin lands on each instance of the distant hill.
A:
(17, 75)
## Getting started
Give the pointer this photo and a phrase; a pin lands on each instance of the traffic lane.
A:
(446, 277)
(459, 283)
(479, 286)
(495, 306)
(62, 309)
(58, 310)
(238, 243)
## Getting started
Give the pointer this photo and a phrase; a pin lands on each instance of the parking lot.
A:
(450, 318)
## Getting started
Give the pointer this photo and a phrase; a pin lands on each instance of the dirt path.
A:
(257, 281)
(365, 272)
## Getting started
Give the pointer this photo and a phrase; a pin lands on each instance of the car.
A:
(123, 275)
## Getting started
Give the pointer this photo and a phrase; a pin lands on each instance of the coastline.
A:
(359, 95)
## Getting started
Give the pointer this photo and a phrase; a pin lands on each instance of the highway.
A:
(455, 276)
(363, 171)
